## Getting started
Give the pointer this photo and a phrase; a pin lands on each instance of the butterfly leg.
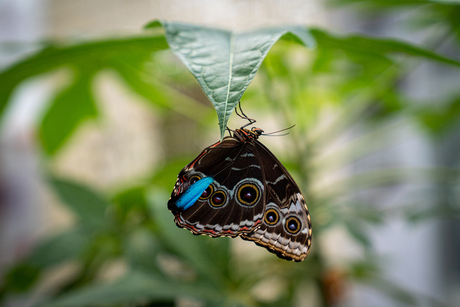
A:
(244, 116)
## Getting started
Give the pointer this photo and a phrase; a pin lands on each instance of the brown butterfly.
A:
(237, 187)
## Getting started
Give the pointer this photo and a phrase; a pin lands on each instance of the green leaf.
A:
(141, 249)
(130, 206)
(365, 269)
(153, 24)
(225, 62)
(439, 121)
(133, 197)
(71, 107)
(417, 213)
(193, 249)
(21, 277)
(86, 203)
(136, 287)
(357, 231)
(55, 250)
(136, 81)
(50, 252)
(162, 177)
(132, 288)
(93, 56)
(377, 47)
(364, 212)
(396, 292)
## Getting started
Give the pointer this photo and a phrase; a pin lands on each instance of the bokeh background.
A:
(375, 150)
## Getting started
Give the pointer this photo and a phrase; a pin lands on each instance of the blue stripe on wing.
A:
(189, 197)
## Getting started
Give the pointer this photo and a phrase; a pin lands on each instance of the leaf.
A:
(50, 252)
(130, 199)
(133, 288)
(138, 84)
(21, 278)
(365, 212)
(94, 56)
(69, 109)
(141, 249)
(365, 269)
(193, 249)
(162, 177)
(56, 249)
(376, 46)
(441, 121)
(357, 231)
(224, 62)
(153, 86)
(417, 213)
(396, 292)
(86, 203)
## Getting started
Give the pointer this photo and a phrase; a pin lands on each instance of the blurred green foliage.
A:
(353, 81)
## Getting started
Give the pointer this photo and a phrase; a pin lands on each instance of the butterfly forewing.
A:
(234, 168)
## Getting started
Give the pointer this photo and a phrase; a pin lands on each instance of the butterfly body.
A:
(237, 187)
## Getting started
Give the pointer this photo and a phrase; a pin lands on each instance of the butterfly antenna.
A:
(273, 133)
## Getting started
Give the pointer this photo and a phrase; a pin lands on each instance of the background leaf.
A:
(135, 287)
(90, 57)
(89, 206)
(377, 47)
(68, 110)
(129, 289)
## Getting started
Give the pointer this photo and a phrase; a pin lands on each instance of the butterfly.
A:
(237, 187)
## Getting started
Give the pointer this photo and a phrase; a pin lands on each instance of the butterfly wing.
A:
(233, 203)
(286, 227)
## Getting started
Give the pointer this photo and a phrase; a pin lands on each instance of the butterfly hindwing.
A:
(286, 227)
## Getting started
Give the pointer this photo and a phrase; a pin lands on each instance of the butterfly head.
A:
(246, 135)
(257, 131)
